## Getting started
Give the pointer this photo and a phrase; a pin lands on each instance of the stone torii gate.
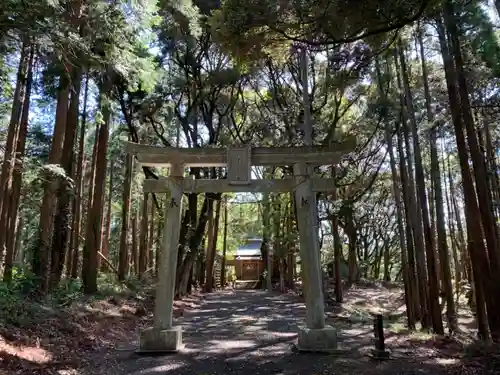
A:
(316, 335)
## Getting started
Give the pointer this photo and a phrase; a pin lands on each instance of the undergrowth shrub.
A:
(18, 306)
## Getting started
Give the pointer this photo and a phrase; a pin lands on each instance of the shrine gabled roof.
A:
(251, 248)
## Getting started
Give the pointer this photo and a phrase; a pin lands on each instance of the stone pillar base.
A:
(323, 340)
(154, 340)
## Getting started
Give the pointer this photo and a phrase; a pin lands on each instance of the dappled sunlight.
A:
(160, 369)
(243, 318)
(216, 345)
(263, 308)
(254, 332)
(443, 361)
(208, 311)
(35, 354)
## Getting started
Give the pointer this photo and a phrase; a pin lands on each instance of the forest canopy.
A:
(248, 27)
(416, 201)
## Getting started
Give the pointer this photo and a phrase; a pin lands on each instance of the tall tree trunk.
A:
(107, 227)
(13, 200)
(414, 239)
(492, 164)
(277, 253)
(151, 237)
(337, 245)
(134, 248)
(94, 221)
(143, 241)
(123, 259)
(79, 181)
(291, 256)
(453, 234)
(188, 228)
(195, 240)
(91, 177)
(19, 247)
(408, 274)
(41, 251)
(481, 177)
(224, 247)
(61, 223)
(408, 271)
(387, 262)
(13, 132)
(476, 248)
(460, 231)
(433, 295)
(212, 248)
(413, 202)
(266, 234)
(158, 241)
(352, 235)
(444, 261)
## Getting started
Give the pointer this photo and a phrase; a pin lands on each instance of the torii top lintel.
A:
(156, 156)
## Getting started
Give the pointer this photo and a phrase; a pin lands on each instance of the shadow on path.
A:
(251, 332)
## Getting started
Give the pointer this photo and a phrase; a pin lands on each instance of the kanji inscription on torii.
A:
(239, 165)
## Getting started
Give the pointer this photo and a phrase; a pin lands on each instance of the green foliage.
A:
(19, 307)
(480, 34)
(254, 28)
(15, 305)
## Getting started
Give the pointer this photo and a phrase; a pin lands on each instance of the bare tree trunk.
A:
(414, 238)
(476, 248)
(19, 249)
(158, 242)
(107, 227)
(351, 231)
(453, 235)
(13, 204)
(123, 260)
(444, 261)
(9, 155)
(195, 240)
(442, 238)
(224, 247)
(151, 236)
(291, 255)
(143, 241)
(480, 175)
(73, 260)
(134, 252)
(41, 251)
(337, 244)
(94, 222)
(492, 164)
(61, 223)
(433, 295)
(212, 248)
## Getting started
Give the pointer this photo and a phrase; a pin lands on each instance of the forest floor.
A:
(244, 332)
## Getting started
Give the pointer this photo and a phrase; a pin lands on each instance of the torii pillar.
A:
(316, 335)
(163, 337)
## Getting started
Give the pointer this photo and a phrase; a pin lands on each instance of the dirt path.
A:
(249, 332)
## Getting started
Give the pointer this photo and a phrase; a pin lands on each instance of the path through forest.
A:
(250, 332)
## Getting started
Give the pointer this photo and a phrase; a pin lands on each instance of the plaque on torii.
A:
(239, 165)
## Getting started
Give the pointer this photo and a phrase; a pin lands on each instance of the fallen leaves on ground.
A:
(61, 340)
